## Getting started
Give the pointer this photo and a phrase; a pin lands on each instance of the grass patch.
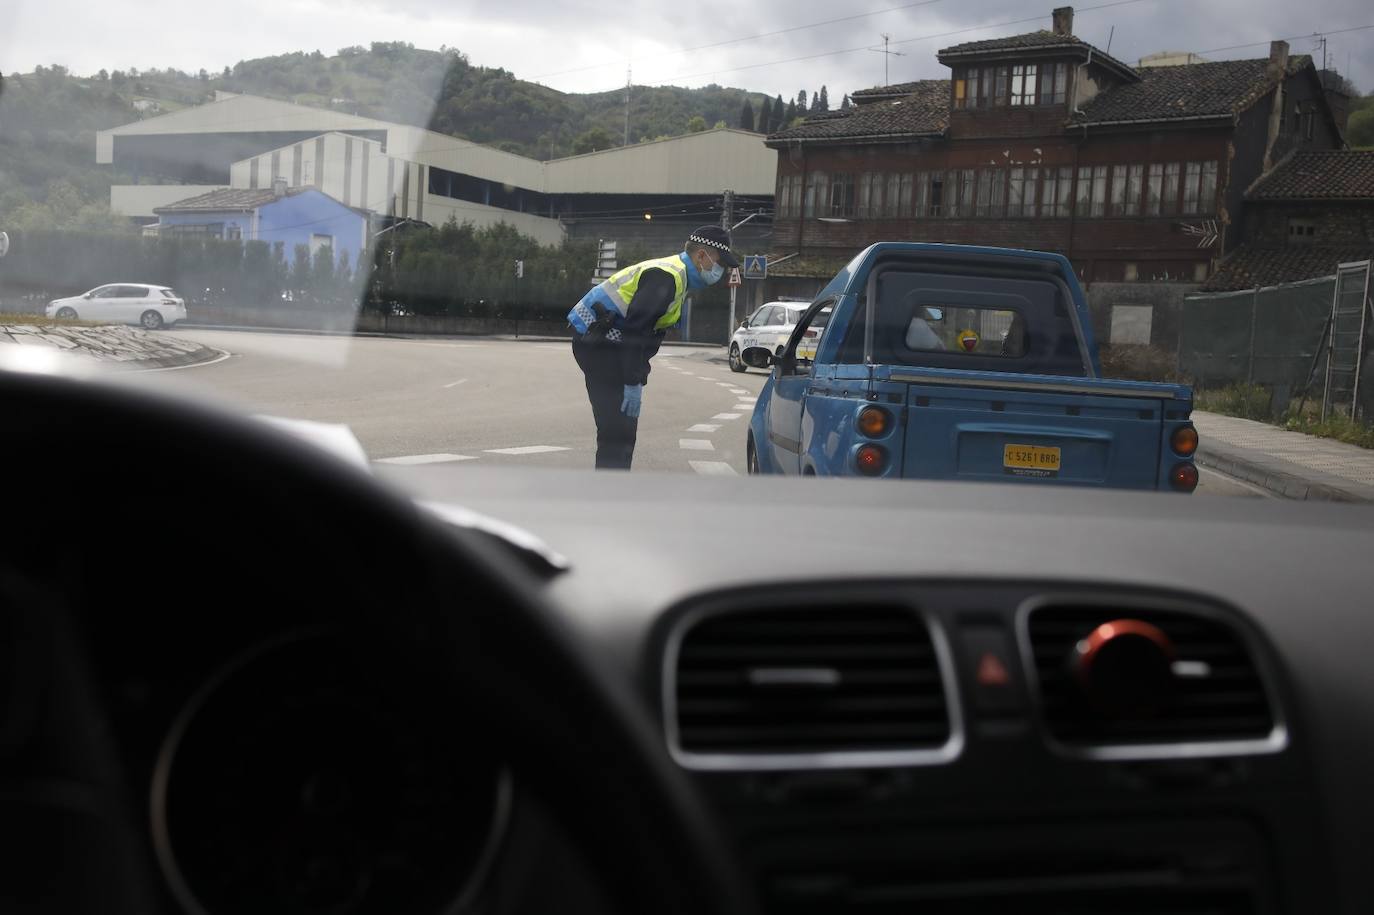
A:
(1248, 401)
(43, 321)
(1252, 401)
(1335, 426)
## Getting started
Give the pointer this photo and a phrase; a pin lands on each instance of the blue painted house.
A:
(291, 216)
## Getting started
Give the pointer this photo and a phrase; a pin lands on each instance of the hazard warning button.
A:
(990, 669)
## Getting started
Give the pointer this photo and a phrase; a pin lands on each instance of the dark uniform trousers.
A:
(615, 432)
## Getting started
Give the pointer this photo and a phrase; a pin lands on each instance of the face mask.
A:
(713, 274)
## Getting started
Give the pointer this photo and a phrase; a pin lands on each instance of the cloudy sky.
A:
(581, 46)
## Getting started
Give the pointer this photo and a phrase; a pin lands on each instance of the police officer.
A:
(619, 324)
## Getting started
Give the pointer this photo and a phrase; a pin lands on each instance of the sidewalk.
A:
(1289, 464)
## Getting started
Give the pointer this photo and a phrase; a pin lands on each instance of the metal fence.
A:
(1268, 336)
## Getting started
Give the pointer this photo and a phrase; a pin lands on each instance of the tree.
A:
(103, 76)
(746, 116)
(801, 101)
(790, 115)
(776, 123)
(765, 122)
(845, 105)
(1359, 130)
(226, 74)
(718, 125)
(815, 101)
(593, 140)
(825, 100)
(697, 124)
(203, 75)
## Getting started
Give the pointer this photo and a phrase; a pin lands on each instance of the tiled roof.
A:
(884, 91)
(1319, 175)
(1216, 88)
(924, 111)
(227, 199)
(1251, 266)
(1035, 41)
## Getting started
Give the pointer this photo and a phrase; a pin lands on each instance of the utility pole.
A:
(727, 219)
(887, 56)
(628, 74)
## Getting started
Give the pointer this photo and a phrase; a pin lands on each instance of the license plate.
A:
(1030, 460)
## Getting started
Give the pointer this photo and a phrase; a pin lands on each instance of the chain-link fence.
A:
(1270, 337)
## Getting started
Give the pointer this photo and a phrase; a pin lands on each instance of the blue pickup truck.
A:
(947, 362)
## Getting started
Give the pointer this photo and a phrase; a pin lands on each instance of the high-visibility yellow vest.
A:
(616, 295)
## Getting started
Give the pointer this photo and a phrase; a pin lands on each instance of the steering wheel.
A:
(464, 611)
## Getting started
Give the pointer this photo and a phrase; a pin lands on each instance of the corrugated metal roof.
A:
(229, 199)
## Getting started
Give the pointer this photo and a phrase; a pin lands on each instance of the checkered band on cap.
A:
(710, 243)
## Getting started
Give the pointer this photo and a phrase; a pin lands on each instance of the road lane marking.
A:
(695, 444)
(714, 468)
(427, 459)
(455, 383)
(726, 416)
(744, 407)
(704, 427)
(527, 449)
(738, 391)
(726, 384)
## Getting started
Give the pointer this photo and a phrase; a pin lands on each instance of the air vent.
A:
(1130, 678)
(809, 687)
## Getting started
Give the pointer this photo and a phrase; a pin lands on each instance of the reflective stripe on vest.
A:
(616, 295)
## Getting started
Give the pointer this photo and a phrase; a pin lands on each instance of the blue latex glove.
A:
(634, 394)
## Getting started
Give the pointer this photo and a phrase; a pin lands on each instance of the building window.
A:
(789, 196)
(1200, 272)
(1023, 84)
(930, 194)
(1169, 195)
(1118, 192)
(960, 87)
(1208, 194)
(1302, 231)
(233, 233)
(1192, 177)
(841, 196)
(899, 187)
(962, 191)
(817, 191)
(1309, 119)
(991, 192)
(253, 174)
(1056, 192)
(1000, 94)
(1156, 185)
(869, 205)
(1021, 191)
(1135, 176)
(1091, 199)
(318, 242)
(1054, 84)
(1131, 272)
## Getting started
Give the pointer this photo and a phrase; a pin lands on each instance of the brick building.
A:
(1044, 141)
(1314, 210)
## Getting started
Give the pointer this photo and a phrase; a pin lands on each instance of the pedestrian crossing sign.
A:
(755, 267)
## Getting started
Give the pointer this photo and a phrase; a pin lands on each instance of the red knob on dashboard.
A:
(1126, 667)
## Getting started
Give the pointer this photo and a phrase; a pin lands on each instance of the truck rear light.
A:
(1183, 477)
(873, 421)
(1184, 441)
(871, 460)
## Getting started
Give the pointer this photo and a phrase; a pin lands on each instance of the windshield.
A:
(472, 238)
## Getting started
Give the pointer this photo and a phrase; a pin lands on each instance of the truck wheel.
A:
(736, 364)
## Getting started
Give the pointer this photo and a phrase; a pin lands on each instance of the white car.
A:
(767, 329)
(146, 304)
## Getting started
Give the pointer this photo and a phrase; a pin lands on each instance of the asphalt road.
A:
(495, 401)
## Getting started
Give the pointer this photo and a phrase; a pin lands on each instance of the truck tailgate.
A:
(1079, 438)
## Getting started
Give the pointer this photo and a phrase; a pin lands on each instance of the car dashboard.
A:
(888, 695)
